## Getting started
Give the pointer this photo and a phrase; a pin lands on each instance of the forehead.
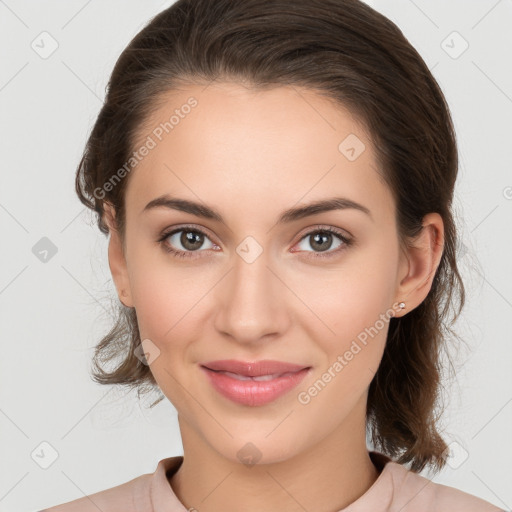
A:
(232, 145)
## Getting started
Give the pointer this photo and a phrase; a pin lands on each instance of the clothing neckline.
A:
(379, 493)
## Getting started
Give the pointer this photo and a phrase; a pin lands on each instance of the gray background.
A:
(52, 313)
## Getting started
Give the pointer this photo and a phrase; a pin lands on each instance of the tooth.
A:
(259, 378)
(236, 376)
(266, 377)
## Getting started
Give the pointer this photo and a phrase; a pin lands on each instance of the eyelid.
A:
(325, 227)
(191, 227)
(206, 231)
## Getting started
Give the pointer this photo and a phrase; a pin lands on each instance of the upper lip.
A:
(254, 368)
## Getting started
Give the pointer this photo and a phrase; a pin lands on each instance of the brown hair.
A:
(357, 57)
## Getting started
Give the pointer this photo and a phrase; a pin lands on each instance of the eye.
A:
(190, 239)
(321, 239)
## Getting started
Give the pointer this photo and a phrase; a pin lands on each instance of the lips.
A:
(253, 383)
(260, 370)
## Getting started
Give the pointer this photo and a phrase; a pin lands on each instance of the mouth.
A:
(263, 368)
(253, 383)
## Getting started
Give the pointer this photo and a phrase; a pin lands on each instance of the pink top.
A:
(396, 489)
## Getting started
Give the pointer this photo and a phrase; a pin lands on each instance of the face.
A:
(316, 290)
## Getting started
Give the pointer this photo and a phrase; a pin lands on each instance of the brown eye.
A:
(322, 239)
(191, 240)
(183, 242)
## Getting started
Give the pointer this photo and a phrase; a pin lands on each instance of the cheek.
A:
(353, 306)
(350, 299)
(359, 315)
(166, 311)
(164, 293)
(167, 306)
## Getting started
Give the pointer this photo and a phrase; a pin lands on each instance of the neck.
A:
(329, 476)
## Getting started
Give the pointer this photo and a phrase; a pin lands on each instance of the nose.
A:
(252, 301)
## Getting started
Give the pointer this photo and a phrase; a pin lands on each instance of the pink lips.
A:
(253, 383)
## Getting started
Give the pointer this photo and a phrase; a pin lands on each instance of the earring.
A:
(401, 305)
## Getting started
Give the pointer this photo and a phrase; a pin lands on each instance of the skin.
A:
(250, 155)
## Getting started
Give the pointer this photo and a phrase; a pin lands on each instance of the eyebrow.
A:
(290, 215)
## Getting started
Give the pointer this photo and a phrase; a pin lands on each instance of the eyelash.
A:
(347, 242)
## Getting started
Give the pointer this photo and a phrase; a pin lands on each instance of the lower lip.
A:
(251, 392)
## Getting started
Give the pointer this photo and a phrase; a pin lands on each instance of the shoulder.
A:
(415, 493)
(131, 496)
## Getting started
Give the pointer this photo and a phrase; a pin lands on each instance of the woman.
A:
(276, 178)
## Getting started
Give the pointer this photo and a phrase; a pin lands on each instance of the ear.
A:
(420, 263)
(116, 258)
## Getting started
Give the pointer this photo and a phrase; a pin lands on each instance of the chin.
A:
(250, 451)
